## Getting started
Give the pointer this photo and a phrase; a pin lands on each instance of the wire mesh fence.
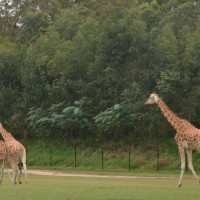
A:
(100, 158)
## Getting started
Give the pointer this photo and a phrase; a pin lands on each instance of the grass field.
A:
(76, 188)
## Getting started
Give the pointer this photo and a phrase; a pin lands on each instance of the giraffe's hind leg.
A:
(14, 165)
(189, 156)
(9, 163)
(24, 164)
(25, 172)
(2, 168)
(20, 172)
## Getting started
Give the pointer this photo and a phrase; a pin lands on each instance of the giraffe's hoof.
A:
(179, 185)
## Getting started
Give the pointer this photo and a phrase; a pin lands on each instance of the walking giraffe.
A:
(15, 151)
(187, 136)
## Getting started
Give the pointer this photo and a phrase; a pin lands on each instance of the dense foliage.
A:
(83, 68)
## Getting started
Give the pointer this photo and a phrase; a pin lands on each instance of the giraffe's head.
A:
(152, 99)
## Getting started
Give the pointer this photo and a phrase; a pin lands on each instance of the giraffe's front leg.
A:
(182, 155)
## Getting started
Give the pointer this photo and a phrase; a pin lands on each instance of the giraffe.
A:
(15, 150)
(3, 154)
(4, 158)
(187, 136)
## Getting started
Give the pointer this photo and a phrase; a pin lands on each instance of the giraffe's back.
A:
(189, 138)
(14, 147)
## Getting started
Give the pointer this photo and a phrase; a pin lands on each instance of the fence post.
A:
(75, 156)
(102, 158)
(50, 155)
(26, 146)
(157, 158)
(129, 159)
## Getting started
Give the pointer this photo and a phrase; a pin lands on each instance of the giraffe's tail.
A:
(20, 165)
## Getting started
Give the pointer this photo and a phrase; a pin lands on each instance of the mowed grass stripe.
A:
(83, 188)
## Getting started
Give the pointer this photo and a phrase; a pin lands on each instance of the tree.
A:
(33, 24)
(68, 21)
(120, 122)
(10, 66)
(40, 73)
(108, 55)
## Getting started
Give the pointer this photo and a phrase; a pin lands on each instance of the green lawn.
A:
(75, 188)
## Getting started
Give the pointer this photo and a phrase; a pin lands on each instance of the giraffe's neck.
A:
(172, 118)
(6, 135)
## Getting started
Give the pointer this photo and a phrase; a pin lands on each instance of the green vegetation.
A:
(81, 70)
(74, 188)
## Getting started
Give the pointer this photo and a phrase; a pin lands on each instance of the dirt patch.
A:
(58, 173)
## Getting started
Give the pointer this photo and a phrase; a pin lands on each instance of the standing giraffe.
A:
(187, 136)
(15, 151)
(5, 159)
